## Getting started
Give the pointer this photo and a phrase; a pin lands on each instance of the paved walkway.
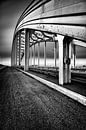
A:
(74, 86)
(26, 104)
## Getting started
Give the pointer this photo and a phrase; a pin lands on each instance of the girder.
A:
(79, 43)
(57, 16)
(77, 32)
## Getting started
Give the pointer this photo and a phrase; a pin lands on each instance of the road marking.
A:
(78, 97)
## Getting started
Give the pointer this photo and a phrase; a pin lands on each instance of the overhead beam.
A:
(77, 32)
(79, 43)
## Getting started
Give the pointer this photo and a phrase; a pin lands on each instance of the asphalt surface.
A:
(26, 104)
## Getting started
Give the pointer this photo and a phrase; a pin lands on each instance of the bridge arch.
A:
(60, 21)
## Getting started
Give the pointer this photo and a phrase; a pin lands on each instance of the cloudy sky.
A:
(10, 10)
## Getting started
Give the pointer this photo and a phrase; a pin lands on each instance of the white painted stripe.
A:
(80, 98)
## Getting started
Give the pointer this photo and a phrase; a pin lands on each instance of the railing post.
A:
(45, 54)
(27, 42)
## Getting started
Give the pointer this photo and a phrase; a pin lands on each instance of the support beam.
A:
(19, 48)
(15, 51)
(27, 42)
(64, 59)
(38, 54)
(61, 72)
(55, 50)
(31, 55)
(16, 48)
(67, 59)
(79, 43)
(12, 55)
(45, 54)
(74, 54)
(34, 55)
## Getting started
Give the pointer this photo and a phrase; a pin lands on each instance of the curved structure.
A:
(60, 21)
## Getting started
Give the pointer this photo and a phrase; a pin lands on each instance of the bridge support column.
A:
(15, 57)
(31, 54)
(64, 59)
(14, 54)
(19, 48)
(12, 59)
(45, 54)
(27, 42)
(55, 50)
(38, 54)
(16, 49)
(34, 55)
(74, 55)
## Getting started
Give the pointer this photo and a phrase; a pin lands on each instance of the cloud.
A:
(10, 10)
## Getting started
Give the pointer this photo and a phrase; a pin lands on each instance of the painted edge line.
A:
(78, 97)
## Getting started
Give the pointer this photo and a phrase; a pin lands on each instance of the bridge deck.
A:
(27, 104)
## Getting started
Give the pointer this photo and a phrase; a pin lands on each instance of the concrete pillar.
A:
(45, 54)
(19, 48)
(67, 59)
(55, 50)
(64, 59)
(38, 54)
(34, 55)
(74, 55)
(61, 72)
(27, 43)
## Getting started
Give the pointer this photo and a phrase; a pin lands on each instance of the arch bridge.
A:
(62, 22)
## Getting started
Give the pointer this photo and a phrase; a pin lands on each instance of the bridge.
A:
(35, 96)
(60, 22)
